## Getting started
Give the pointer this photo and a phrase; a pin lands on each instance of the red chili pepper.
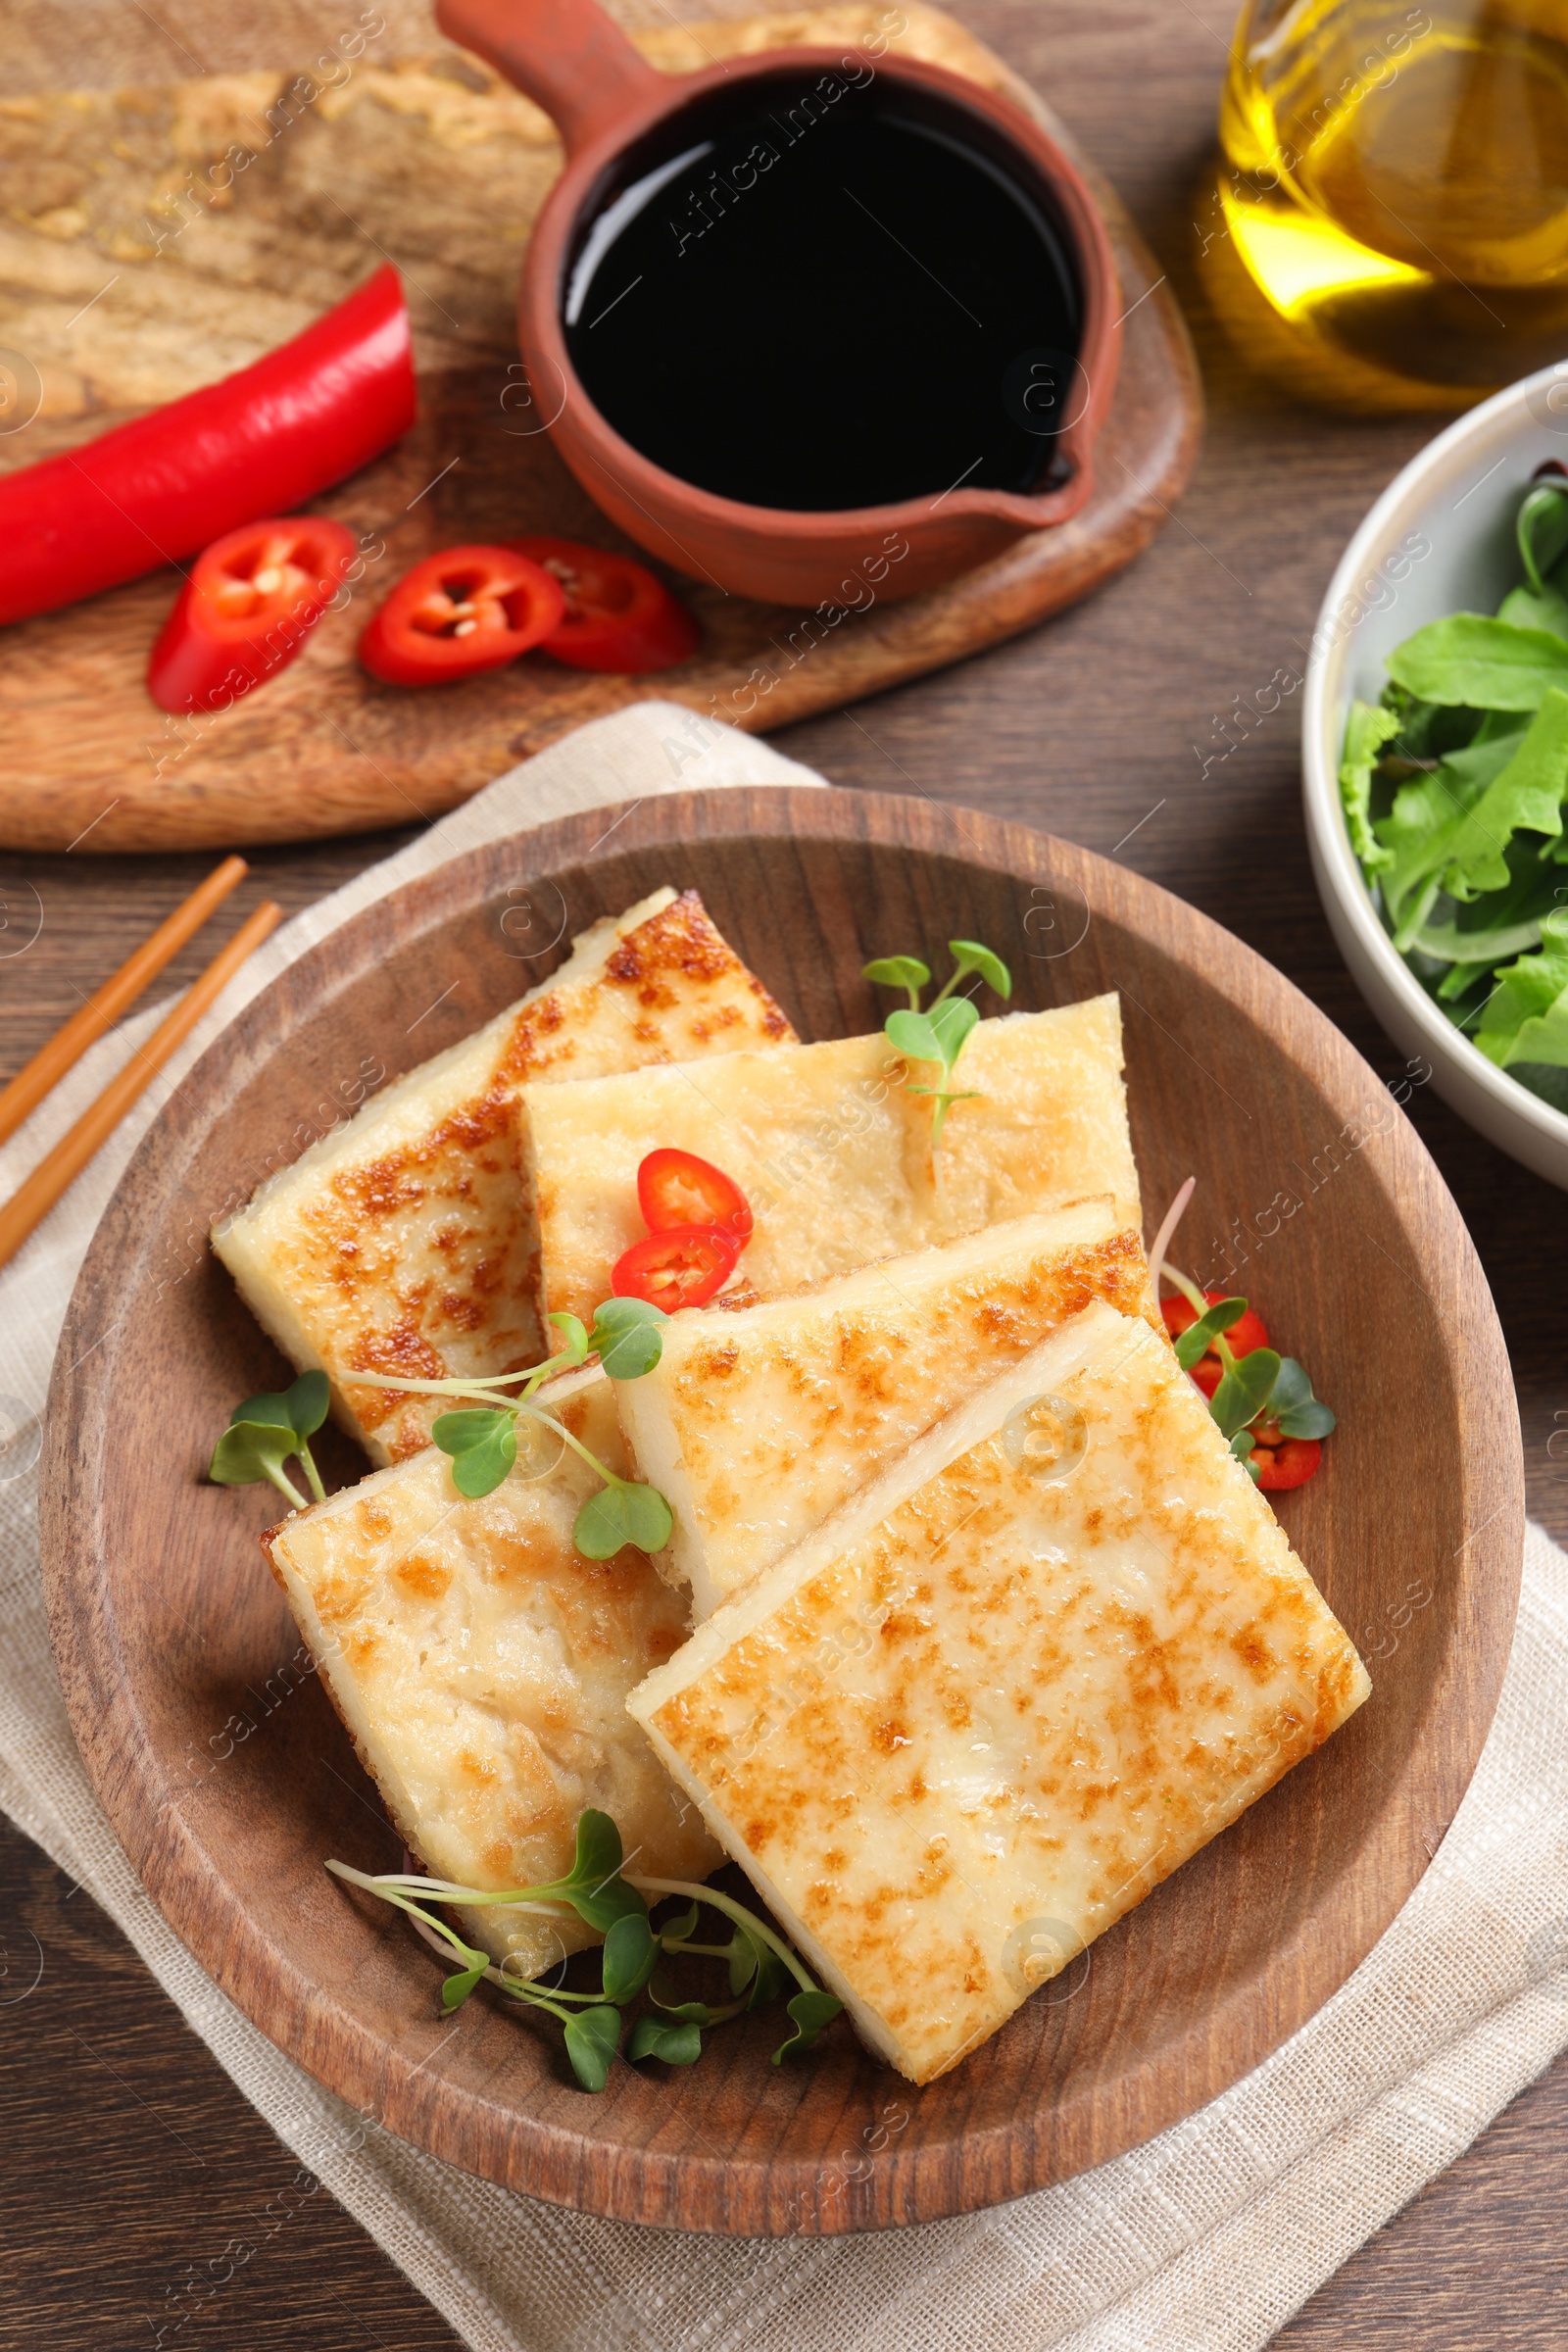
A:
(465, 609)
(251, 601)
(676, 1188)
(1243, 1334)
(262, 442)
(681, 1266)
(618, 616)
(1289, 1464)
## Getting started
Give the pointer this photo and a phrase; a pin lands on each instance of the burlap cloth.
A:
(1208, 2237)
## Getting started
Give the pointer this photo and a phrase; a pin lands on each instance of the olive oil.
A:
(824, 295)
(1397, 191)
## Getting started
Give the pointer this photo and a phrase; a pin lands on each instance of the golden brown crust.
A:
(410, 1249)
(1010, 1700)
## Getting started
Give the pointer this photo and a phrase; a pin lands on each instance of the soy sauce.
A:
(827, 298)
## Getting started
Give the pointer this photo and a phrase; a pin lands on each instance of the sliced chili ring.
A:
(618, 616)
(676, 1188)
(247, 607)
(1289, 1464)
(682, 1266)
(465, 609)
(1244, 1334)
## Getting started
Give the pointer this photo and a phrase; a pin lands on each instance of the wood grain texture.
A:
(162, 1615)
(1086, 726)
(323, 748)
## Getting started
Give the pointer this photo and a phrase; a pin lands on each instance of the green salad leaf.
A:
(1542, 530)
(1366, 732)
(1525, 795)
(1526, 1017)
(1487, 665)
(1454, 787)
(1536, 608)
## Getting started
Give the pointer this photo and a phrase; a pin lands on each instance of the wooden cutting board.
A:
(122, 290)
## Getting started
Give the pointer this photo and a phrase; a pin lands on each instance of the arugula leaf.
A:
(1427, 730)
(1524, 608)
(627, 1337)
(677, 2045)
(1192, 1343)
(248, 1451)
(630, 1956)
(622, 1513)
(593, 2037)
(1527, 1017)
(1526, 794)
(483, 1446)
(898, 971)
(968, 956)
(1541, 529)
(1461, 817)
(1485, 663)
(1244, 1392)
(810, 2011)
(1366, 732)
(1445, 943)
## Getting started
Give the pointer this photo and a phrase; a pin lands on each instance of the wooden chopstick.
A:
(106, 1004)
(31, 1202)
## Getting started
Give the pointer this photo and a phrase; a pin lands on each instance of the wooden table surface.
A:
(128, 2154)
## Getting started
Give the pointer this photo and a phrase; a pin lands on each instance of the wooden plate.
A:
(226, 1774)
(323, 748)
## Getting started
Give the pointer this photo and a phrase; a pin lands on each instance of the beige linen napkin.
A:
(1207, 2238)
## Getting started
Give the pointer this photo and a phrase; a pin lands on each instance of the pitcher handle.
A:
(566, 55)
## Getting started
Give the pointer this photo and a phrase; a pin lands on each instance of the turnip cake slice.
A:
(757, 1422)
(831, 1145)
(1023, 1676)
(481, 1666)
(405, 1241)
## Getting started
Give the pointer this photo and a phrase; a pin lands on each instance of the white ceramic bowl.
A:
(1440, 540)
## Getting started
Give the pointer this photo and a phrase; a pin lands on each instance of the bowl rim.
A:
(1339, 871)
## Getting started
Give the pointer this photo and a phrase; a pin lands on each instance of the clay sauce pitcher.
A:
(614, 111)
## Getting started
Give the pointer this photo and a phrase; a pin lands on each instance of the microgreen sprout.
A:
(939, 1033)
(481, 1437)
(1261, 1397)
(761, 1965)
(263, 1433)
